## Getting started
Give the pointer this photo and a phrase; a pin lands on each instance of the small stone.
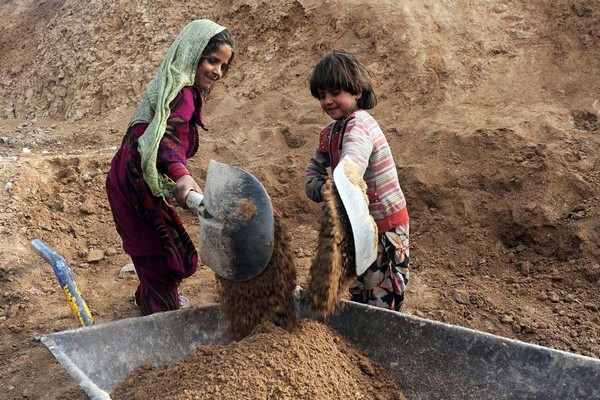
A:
(507, 319)
(111, 251)
(500, 8)
(510, 280)
(577, 215)
(460, 297)
(582, 10)
(554, 298)
(516, 327)
(128, 270)
(524, 267)
(592, 273)
(17, 70)
(88, 207)
(366, 368)
(95, 256)
(574, 334)
(542, 296)
(569, 298)
(528, 329)
(520, 248)
(26, 150)
(60, 91)
(84, 265)
(56, 205)
(555, 309)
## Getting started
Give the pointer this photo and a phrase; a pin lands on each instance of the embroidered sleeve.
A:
(324, 139)
(174, 146)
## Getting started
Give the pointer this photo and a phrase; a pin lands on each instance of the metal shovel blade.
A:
(237, 224)
(364, 230)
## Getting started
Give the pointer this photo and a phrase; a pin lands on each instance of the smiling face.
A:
(212, 67)
(338, 104)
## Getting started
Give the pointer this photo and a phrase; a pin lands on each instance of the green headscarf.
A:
(177, 70)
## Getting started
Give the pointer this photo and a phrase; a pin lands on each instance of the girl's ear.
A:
(358, 96)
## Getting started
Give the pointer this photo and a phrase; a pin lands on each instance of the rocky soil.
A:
(491, 109)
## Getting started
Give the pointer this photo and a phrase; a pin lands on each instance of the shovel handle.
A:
(65, 279)
(194, 200)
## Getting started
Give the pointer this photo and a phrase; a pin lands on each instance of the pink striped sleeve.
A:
(357, 145)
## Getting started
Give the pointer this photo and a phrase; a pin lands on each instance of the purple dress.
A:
(151, 230)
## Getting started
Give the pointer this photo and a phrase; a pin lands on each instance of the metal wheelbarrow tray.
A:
(430, 360)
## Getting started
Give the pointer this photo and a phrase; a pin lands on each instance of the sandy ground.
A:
(491, 109)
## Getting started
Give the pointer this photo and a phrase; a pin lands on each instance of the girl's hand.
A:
(183, 187)
(313, 187)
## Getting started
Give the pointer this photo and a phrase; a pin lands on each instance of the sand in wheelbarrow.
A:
(311, 362)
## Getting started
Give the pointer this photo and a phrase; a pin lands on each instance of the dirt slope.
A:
(488, 106)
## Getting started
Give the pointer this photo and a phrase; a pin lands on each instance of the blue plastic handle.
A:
(65, 279)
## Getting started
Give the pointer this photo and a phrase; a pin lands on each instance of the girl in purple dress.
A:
(150, 167)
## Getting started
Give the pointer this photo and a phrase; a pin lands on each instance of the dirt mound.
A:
(491, 110)
(312, 362)
(65, 207)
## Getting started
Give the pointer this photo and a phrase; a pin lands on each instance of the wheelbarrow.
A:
(429, 359)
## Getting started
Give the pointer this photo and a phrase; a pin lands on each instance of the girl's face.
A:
(338, 104)
(212, 67)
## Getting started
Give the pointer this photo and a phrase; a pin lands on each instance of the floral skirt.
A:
(384, 282)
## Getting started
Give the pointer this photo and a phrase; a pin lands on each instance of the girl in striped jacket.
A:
(342, 86)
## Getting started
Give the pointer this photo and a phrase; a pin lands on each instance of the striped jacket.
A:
(360, 138)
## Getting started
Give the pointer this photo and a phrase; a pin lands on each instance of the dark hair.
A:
(340, 70)
(221, 38)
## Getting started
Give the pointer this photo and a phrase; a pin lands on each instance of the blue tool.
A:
(63, 274)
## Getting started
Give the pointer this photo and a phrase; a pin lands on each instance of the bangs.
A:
(334, 73)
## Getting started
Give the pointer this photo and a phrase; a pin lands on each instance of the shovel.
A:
(236, 222)
(348, 182)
